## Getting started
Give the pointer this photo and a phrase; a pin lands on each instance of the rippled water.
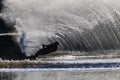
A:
(62, 75)
(65, 67)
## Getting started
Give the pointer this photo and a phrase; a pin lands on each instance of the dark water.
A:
(77, 65)
(97, 65)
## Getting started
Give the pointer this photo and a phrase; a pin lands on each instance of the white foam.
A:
(11, 34)
(81, 61)
(54, 69)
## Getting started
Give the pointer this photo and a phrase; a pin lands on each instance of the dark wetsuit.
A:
(45, 50)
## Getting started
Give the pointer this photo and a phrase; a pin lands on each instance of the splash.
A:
(84, 25)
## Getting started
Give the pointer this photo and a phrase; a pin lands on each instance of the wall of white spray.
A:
(72, 23)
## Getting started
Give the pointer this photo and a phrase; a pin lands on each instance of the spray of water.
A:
(78, 25)
(10, 34)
